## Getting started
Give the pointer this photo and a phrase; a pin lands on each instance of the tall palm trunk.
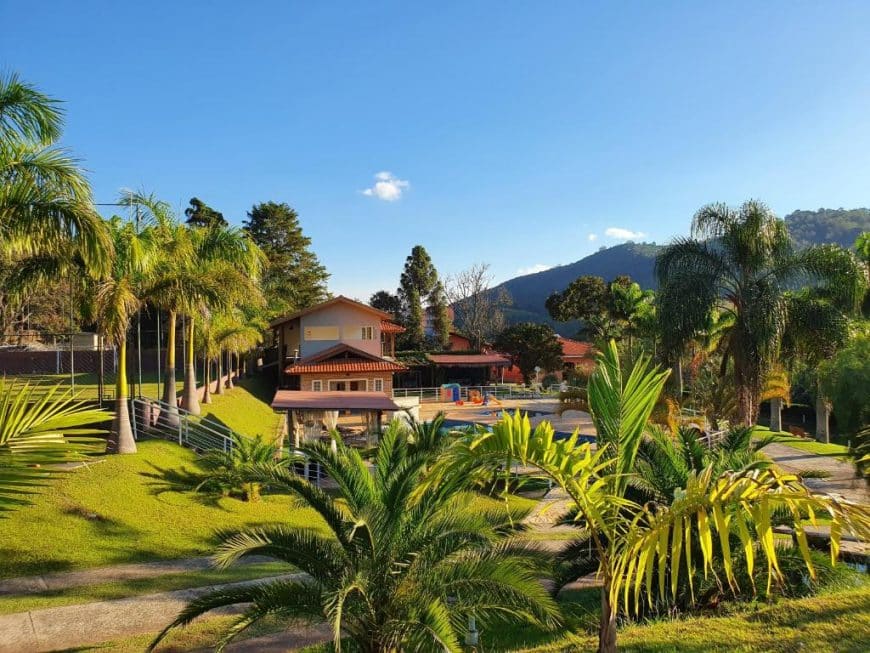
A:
(122, 432)
(190, 399)
(776, 414)
(823, 433)
(229, 369)
(607, 623)
(219, 386)
(206, 382)
(170, 393)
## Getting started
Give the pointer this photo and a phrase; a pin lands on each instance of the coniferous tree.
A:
(200, 214)
(419, 281)
(293, 278)
(384, 300)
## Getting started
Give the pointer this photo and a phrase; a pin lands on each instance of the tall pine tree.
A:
(294, 278)
(200, 214)
(419, 281)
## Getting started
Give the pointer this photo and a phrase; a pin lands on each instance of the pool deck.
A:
(539, 409)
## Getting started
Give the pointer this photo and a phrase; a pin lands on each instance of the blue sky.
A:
(513, 133)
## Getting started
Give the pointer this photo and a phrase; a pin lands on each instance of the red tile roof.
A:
(576, 349)
(468, 360)
(345, 365)
(335, 400)
(391, 327)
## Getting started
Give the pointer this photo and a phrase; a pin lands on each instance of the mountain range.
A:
(637, 260)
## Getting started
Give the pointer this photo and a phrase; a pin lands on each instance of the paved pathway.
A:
(99, 575)
(841, 474)
(69, 626)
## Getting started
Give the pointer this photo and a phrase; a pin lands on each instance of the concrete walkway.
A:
(52, 629)
(841, 474)
(99, 575)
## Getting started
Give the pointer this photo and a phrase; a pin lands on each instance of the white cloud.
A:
(592, 237)
(532, 269)
(387, 187)
(623, 234)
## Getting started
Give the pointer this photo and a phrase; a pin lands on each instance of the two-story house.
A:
(340, 345)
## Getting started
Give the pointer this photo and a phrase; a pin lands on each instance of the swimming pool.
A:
(560, 435)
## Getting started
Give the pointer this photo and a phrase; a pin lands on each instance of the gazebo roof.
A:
(333, 400)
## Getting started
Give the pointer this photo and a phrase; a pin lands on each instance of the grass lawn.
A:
(830, 623)
(805, 444)
(133, 509)
(246, 408)
(119, 511)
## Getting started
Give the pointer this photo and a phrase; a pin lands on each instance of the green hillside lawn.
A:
(124, 510)
(119, 510)
(246, 408)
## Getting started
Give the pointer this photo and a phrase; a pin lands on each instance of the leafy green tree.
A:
(741, 261)
(118, 297)
(586, 297)
(383, 300)
(41, 428)
(816, 328)
(293, 277)
(403, 567)
(530, 345)
(845, 378)
(634, 541)
(200, 214)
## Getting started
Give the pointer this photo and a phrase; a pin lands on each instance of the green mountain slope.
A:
(637, 260)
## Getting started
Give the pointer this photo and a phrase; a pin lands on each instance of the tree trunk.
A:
(206, 382)
(229, 369)
(170, 393)
(776, 414)
(823, 433)
(607, 624)
(190, 398)
(677, 378)
(219, 386)
(122, 432)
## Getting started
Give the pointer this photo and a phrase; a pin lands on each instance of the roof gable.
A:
(341, 299)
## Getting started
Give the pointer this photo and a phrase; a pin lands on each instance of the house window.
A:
(317, 386)
(378, 385)
(367, 333)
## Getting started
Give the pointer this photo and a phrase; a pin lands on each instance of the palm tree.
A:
(817, 327)
(226, 256)
(176, 287)
(239, 470)
(46, 208)
(631, 541)
(118, 297)
(41, 428)
(741, 262)
(401, 568)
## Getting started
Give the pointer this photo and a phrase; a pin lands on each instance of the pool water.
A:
(560, 435)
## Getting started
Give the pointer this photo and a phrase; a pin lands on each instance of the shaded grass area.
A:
(139, 586)
(246, 408)
(831, 623)
(805, 444)
(122, 510)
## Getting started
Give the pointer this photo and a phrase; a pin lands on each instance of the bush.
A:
(845, 380)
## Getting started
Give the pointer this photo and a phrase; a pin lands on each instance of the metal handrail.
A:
(158, 419)
(499, 391)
